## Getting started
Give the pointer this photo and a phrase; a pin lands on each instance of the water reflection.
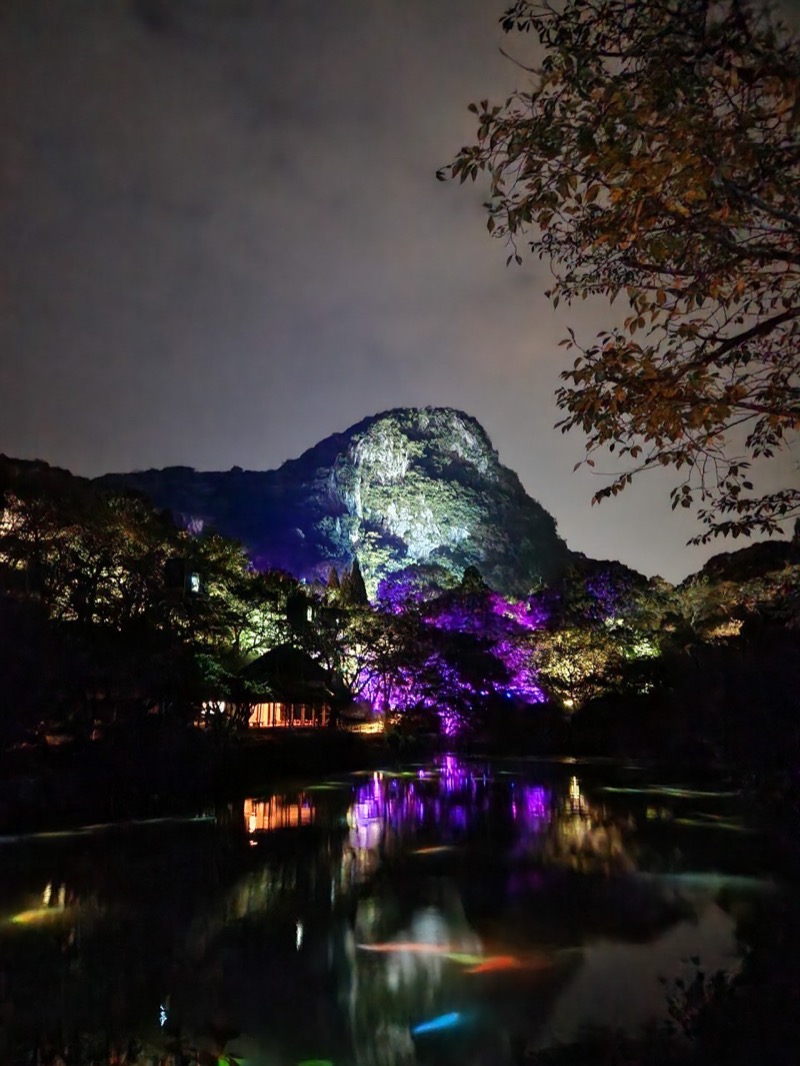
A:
(439, 913)
(278, 812)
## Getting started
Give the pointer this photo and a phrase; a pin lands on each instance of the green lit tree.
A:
(576, 663)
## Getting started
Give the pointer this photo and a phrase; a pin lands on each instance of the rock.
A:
(409, 488)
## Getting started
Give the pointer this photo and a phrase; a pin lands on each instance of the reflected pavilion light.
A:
(278, 812)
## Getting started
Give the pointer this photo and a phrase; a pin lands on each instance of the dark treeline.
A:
(115, 620)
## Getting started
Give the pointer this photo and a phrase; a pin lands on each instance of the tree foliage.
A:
(655, 157)
(87, 587)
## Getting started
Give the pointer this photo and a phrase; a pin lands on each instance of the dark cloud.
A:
(221, 239)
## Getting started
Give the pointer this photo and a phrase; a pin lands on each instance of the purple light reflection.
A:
(536, 803)
(454, 774)
(392, 811)
(445, 800)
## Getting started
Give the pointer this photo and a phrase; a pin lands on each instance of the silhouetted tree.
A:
(354, 591)
(654, 156)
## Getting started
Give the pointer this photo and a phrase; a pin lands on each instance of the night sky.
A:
(221, 239)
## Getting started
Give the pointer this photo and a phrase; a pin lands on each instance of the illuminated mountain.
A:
(412, 489)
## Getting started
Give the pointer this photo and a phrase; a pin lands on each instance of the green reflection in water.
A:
(714, 823)
(664, 790)
(713, 881)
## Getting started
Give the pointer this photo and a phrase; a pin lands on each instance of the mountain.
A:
(419, 488)
(760, 581)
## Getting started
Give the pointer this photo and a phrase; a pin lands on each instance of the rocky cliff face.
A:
(409, 488)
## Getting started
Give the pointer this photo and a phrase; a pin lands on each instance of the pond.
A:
(457, 911)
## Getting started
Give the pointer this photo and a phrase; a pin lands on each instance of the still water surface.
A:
(458, 911)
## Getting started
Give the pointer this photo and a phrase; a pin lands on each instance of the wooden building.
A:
(288, 689)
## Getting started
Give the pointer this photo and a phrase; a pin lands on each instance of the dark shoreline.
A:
(166, 773)
(74, 784)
